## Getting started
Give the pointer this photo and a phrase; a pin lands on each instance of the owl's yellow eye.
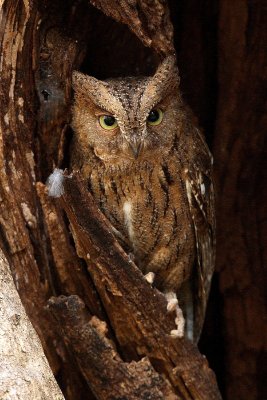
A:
(155, 117)
(108, 122)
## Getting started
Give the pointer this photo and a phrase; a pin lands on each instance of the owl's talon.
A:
(150, 277)
(131, 257)
(180, 322)
(172, 304)
(172, 301)
(177, 333)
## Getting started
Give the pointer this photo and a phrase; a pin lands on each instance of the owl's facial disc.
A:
(137, 140)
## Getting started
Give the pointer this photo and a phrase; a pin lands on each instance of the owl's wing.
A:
(200, 193)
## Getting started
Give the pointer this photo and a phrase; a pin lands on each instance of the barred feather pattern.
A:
(160, 200)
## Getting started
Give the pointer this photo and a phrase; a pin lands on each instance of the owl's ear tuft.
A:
(77, 78)
(82, 83)
(165, 81)
(76, 75)
(87, 87)
(169, 63)
(167, 72)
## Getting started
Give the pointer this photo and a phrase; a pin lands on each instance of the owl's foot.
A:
(180, 323)
(173, 305)
(150, 276)
(172, 301)
(131, 257)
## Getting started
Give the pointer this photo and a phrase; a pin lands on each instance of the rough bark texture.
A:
(149, 21)
(41, 43)
(24, 370)
(106, 373)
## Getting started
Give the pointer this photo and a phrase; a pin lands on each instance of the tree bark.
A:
(24, 370)
(23, 235)
(106, 373)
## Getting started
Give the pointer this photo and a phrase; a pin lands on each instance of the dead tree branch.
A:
(107, 375)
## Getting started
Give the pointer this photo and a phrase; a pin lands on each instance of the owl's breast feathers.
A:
(148, 206)
(162, 211)
(151, 178)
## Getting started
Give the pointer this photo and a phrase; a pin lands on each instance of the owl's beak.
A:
(135, 148)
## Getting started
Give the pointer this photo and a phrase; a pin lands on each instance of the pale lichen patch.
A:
(29, 217)
(6, 119)
(203, 189)
(25, 373)
(21, 118)
(20, 101)
(31, 162)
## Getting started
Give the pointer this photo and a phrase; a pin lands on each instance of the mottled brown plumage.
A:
(152, 182)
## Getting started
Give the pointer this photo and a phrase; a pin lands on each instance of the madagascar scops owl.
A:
(150, 171)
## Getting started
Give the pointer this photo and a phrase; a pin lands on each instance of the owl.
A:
(150, 171)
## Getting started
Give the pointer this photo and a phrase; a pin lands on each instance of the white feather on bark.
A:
(54, 183)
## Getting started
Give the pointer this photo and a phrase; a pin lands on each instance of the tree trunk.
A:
(24, 372)
(42, 42)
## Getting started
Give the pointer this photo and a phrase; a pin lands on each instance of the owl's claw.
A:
(172, 301)
(150, 276)
(180, 322)
(177, 333)
(173, 305)
(131, 257)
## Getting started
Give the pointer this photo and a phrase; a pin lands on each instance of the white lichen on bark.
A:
(24, 370)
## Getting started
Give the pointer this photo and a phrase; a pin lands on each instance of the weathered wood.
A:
(108, 376)
(24, 236)
(72, 276)
(136, 311)
(150, 22)
(24, 370)
(21, 237)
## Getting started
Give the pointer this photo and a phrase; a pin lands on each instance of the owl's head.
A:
(126, 119)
